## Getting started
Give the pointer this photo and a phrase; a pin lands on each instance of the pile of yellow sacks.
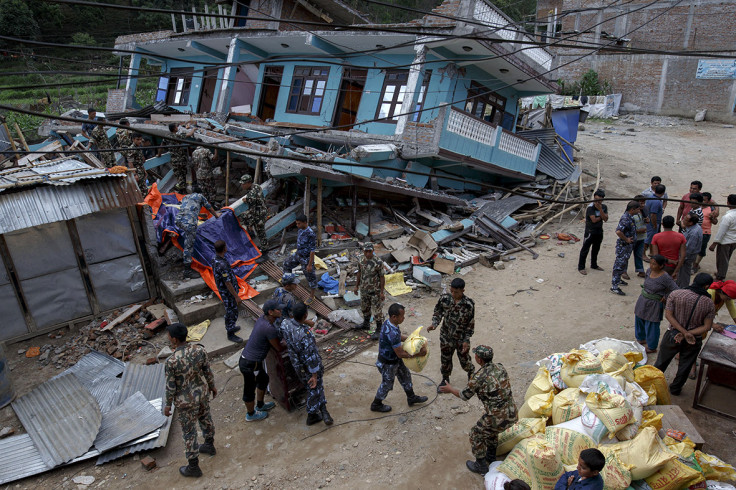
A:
(600, 398)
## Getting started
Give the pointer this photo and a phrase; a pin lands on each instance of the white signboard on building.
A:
(716, 69)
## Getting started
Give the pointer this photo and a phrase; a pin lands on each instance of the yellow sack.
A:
(319, 263)
(669, 441)
(535, 461)
(616, 474)
(613, 410)
(635, 357)
(626, 372)
(522, 429)
(612, 360)
(196, 332)
(567, 405)
(412, 345)
(568, 443)
(650, 418)
(646, 453)
(714, 468)
(652, 394)
(542, 383)
(674, 475)
(681, 449)
(537, 406)
(578, 362)
(646, 376)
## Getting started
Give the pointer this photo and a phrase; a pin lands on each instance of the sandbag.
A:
(535, 461)
(616, 474)
(633, 351)
(626, 372)
(646, 453)
(567, 405)
(612, 360)
(647, 376)
(522, 429)
(494, 479)
(553, 364)
(587, 424)
(714, 468)
(599, 383)
(612, 409)
(650, 418)
(568, 443)
(578, 362)
(412, 345)
(541, 384)
(652, 393)
(537, 406)
(676, 474)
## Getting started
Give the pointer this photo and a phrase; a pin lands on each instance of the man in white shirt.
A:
(724, 241)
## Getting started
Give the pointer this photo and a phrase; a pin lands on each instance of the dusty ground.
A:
(428, 447)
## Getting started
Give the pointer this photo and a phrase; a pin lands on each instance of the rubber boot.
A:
(326, 417)
(192, 469)
(491, 454)
(208, 447)
(377, 333)
(313, 418)
(366, 323)
(479, 466)
(445, 381)
(412, 399)
(378, 406)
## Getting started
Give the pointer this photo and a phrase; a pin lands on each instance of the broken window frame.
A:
(308, 87)
(485, 104)
(179, 87)
(397, 96)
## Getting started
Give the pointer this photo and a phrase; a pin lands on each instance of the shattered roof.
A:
(59, 172)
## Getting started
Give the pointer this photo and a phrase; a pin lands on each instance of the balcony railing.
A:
(469, 127)
(510, 143)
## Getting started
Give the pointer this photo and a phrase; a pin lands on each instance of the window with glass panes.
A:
(179, 85)
(485, 104)
(392, 95)
(422, 95)
(307, 89)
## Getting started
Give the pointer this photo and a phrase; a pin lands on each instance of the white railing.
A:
(520, 147)
(471, 128)
(537, 54)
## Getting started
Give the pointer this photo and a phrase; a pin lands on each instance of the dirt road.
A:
(428, 447)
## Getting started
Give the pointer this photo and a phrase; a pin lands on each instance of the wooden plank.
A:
(675, 418)
(122, 317)
(319, 212)
(52, 147)
(343, 278)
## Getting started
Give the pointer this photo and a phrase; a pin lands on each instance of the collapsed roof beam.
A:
(207, 50)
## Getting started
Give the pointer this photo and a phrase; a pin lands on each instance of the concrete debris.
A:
(84, 479)
(6, 431)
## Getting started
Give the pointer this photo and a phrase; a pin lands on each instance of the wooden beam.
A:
(257, 175)
(22, 138)
(307, 197)
(319, 212)
(227, 177)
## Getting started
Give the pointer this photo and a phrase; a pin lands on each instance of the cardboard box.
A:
(424, 243)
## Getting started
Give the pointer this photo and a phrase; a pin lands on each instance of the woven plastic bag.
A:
(522, 429)
(567, 405)
(613, 410)
(535, 461)
(646, 453)
(542, 383)
(412, 345)
(647, 376)
(714, 468)
(537, 406)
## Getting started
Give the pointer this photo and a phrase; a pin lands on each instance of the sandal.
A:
(309, 301)
(652, 351)
(583, 272)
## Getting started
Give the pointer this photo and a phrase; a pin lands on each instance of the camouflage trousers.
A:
(190, 233)
(255, 219)
(209, 188)
(448, 345)
(295, 260)
(180, 167)
(371, 304)
(315, 396)
(106, 157)
(389, 372)
(231, 311)
(484, 435)
(621, 263)
(188, 418)
(140, 178)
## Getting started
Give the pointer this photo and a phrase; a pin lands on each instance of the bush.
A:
(589, 84)
(83, 39)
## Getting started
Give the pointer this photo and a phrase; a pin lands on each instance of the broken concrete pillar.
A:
(413, 87)
(131, 83)
(228, 76)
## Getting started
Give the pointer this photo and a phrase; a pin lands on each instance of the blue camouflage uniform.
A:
(224, 274)
(389, 364)
(627, 226)
(306, 360)
(288, 300)
(187, 219)
(306, 243)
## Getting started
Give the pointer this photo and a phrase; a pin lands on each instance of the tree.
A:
(16, 20)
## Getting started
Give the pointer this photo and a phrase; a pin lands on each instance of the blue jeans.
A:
(638, 255)
(649, 331)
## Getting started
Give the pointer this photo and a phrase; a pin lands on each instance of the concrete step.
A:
(175, 290)
(193, 313)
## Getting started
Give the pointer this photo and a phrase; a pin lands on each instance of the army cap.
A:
(272, 304)
(289, 279)
(484, 352)
(245, 179)
(368, 246)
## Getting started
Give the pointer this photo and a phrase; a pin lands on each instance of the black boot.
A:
(313, 418)
(479, 466)
(192, 469)
(377, 333)
(445, 381)
(208, 447)
(491, 454)
(326, 417)
(378, 406)
(366, 323)
(412, 399)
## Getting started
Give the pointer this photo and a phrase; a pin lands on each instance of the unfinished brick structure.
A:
(654, 83)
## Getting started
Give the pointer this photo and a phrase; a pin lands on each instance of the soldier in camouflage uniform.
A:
(307, 363)
(285, 296)
(189, 381)
(626, 232)
(180, 154)
(457, 314)
(491, 384)
(227, 286)
(99, 139)
(306, 243)
(123, 140)
(187, 220)
(202, 159)
(390, 364)
(255, 216)
(371, 280)
(134, 156)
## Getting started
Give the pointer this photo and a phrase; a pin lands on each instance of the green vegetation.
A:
(516, 9)
(589, 84)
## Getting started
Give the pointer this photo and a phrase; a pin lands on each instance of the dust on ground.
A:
(427, 447)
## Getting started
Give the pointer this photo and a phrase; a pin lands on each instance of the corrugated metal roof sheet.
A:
(499, 210)
(105, 391)
(62, 418)
(550, 161)
(40, 205)
(546, 136)
(19, 458)
(93, 367)
(62, 171)
(133, 418)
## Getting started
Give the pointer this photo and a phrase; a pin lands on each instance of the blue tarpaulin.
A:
(565, 122)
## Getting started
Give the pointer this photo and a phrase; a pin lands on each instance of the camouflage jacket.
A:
(306, 242)
(99, 138)
(285, 298)
(134, 154)
(123, 138)
(191, 204)
(254, 198)
(224, 274)
(302, 347)
(202, 161)
(491, 384)
(371, 272)
(459, 318)
(180, 152)
(188, 376)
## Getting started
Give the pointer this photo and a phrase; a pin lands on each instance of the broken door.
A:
(270, 92)
(209, 81)
(351, 91)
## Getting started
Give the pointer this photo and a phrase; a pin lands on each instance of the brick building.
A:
(654, 83)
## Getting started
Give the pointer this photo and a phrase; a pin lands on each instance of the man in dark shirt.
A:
(227, 286)
(684, 209)
(89, 126)
(595, 215)
(265, 336)
(626, 232)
